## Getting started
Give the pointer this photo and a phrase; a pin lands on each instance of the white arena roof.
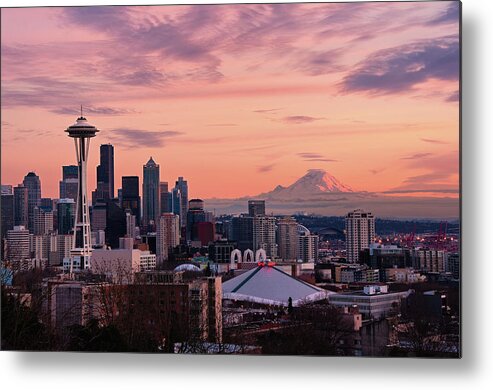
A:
(271, 286)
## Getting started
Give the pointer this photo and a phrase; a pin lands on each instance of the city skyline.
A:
(300, 96)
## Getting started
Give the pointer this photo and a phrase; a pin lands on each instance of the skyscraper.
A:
(20, 206)
(195, 215)
(43, 220)
(360, 233)
(182, 185)
(65, 216)
(287, 234)
(150, 193)
(264, 235)
(80, 258)
(242, 232)
(131, 197)
(256, 207)
(307, 245)
(7, 213)
(167, 235)
(18, 244)
(164, 198)
(70, 182)
(105, 174)
(33, 185)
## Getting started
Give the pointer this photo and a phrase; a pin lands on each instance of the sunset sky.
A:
(238, 98)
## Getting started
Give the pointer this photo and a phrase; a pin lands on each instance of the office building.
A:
(194, 216)
(182, 186)
(287, 238)
(43, 220)
(167, 235)
(7, 213)
(66, 216)
(242, 232)
(360, 233)
(33, 185)
(69, 184)
(131, 224)
(428, 260)
(164, 198)
(150, 193)
(21, 206)
(453, 264)
(307, 245)
(264, 235)
(131, 196)
(18, 244)
(105, 174)
(121, 264)
(256, 207)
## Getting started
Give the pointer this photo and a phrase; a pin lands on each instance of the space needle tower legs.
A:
(81, 131)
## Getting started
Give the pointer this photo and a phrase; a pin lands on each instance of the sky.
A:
(238, 98)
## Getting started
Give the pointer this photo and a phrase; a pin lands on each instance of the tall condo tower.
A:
(80, 255)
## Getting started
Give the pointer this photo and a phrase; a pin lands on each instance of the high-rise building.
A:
(256, 207)
(242, 232)
(131, 197)
(7, 213)
(264, 235)
(307, 245)
(167, 235)
(70, 182)
(40, 247)
(195, 215)
(130, 224)
(80, 255)
(360, 233)
(175, 203)
(65, 216)
(6, 189)
(33, 185)
(116, 225)
(182, 185)
(43, 220)
(150, 193)
(18, 244)
(105, 174)
(287, 239)
(164, 198)
(20, 206)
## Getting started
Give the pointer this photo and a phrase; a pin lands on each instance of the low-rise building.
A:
(374, 301)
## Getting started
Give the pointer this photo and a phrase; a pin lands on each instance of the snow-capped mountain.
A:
(314, 183)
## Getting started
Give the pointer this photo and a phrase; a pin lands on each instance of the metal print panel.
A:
(278, 179)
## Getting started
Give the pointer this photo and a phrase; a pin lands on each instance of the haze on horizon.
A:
(238, 98)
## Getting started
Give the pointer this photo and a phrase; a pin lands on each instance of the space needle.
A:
(80, 255)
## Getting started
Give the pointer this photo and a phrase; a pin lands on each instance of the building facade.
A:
(360, 233)
(150, 193)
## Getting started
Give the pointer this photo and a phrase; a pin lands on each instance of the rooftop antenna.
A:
(81, 111)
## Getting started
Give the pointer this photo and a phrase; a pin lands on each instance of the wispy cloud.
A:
(101, 110)
(146, 138)
(416, 156)
(434, 141)
(315, 157)
(454, 97)
(299, 119)
(265, 168)
(401, 68)
(267, 111)
(222, 124)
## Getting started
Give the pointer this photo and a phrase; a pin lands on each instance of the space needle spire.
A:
(80, 255)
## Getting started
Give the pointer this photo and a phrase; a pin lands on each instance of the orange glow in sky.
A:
(238, 98)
